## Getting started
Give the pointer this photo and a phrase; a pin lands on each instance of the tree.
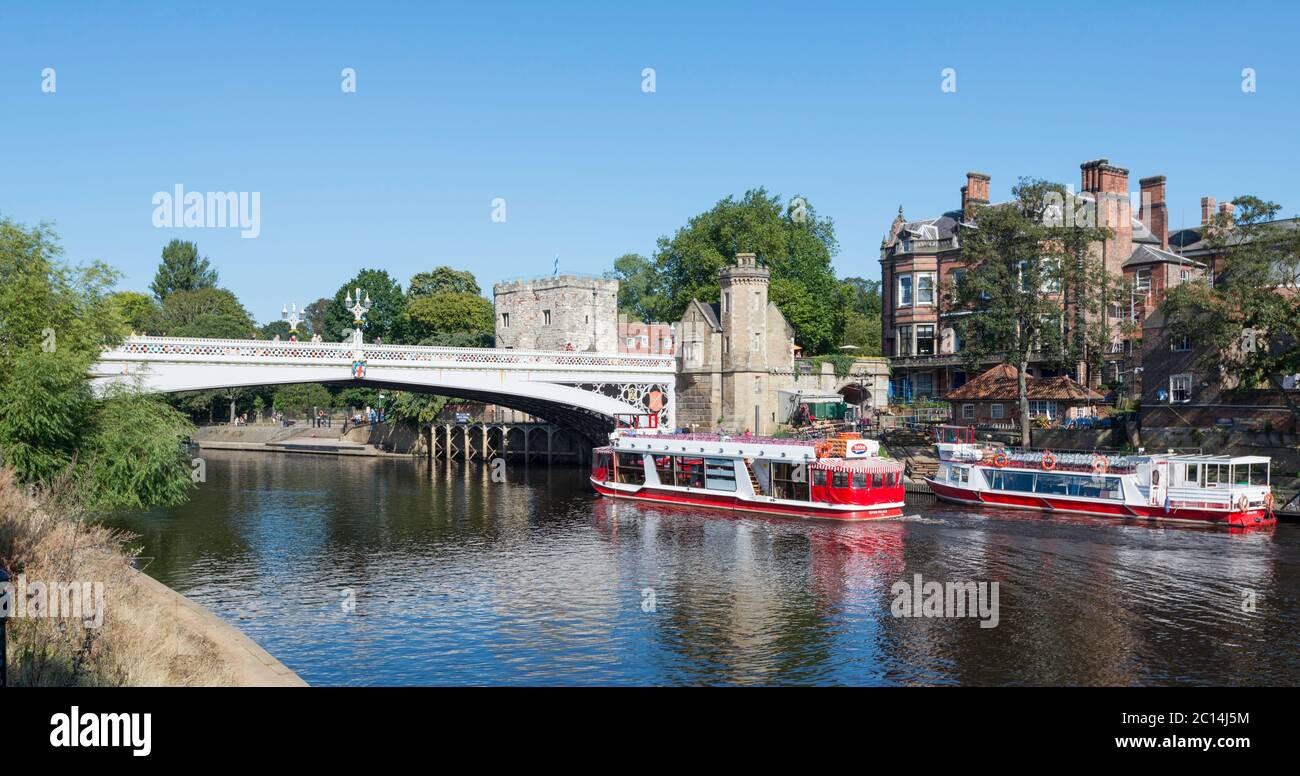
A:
(54, 320)
(206, 312)
(442, 280)
(386, 313)
(181, 269)
(442, 314)
(301, 397)
(416, 408)
(1247, 324)
(792, 242)
(636, 287)
(862, 304)
(1013, 266)
(314, 314)
(138, 310)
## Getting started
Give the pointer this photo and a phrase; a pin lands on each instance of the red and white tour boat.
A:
(840, 479)
(1204, 489)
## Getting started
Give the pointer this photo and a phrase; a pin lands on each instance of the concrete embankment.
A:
(379, 440)
(246, 663)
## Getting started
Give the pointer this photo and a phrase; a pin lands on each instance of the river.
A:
(359, 571)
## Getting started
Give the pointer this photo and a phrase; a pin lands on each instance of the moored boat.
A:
(1203, 489)
(840, 479)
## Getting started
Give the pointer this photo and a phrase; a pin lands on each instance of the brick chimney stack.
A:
(1207, 210)
(976, 190)
(1228, 209)
(1109, 186)
(1155, 214)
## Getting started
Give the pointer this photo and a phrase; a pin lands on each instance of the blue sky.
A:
(541, 104)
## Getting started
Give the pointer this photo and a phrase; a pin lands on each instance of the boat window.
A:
(1057, 484)
(960, 474)
(877, 480)
(1216, 475)
(600, 466)
(1021, 481)
(789, 481)
(819, 478)
(859, 480)
(720, 474)
(839, 479)
(664, 468)
(690, 472)
(631, 468)
(1193, 475)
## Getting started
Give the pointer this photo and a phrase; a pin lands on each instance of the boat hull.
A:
(724, 502)
(1113, 509)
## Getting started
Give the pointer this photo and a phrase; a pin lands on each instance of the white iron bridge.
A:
(588, 392)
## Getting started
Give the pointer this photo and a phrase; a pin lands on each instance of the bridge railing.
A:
(192, 349)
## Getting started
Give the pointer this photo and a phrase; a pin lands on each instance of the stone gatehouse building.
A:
(559, 312)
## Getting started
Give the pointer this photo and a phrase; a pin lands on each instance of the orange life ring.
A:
(1049, 461)
(1000, 460)
(1100, 464)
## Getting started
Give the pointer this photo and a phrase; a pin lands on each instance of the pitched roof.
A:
(1000, 382)
(1145, 254)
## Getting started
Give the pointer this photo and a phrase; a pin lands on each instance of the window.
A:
(1022, 271)
(1142, 281)
(1042, 409)
(904, 290)
(924, 383)
(904, 340)
(726, 298)
(720, 474)
(925, 340)
(959, 474)
(1180, 389)
(968, 412)
(819, 478)
(925, 288)
(1050, 269)
(1180, 344)
(631, 468)
(546, 317)
(755, 341)
(505, 320)
(664, 468)
(859, 480)
(690, 471)
(839, 479)
(995, 411)
(1183, 276)
(958, 275)
(758, 385)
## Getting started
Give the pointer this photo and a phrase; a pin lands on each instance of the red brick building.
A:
(920, 257)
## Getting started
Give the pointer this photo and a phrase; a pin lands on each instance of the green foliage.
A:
(794, 244)
(135, 455)
(1016, 264)
(207, 312)
(53, 322)
(181, 269)
(442, 280)
(843, 364)
(386, 315)
(417, 408)
(300, 397)
(137, 310)
(1247, 325)
(860, 298)
(314, 314)
(637, 298)
(442, 314)
(276, 329)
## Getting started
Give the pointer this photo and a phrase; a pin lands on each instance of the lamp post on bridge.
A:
(290, 315)
(358, 309)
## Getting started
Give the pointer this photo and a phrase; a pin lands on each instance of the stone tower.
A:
(742, 310)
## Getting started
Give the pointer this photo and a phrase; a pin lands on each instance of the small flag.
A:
(556, 270)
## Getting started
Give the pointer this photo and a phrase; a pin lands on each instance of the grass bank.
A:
(129, 630)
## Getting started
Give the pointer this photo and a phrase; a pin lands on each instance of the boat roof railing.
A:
(761, 440)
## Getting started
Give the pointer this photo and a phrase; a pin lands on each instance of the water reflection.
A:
(374, 571)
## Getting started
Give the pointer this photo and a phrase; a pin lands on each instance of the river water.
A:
(380, 571)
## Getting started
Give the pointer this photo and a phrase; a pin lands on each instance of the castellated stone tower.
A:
(743, 314)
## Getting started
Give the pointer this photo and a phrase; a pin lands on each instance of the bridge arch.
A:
(581, 391)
